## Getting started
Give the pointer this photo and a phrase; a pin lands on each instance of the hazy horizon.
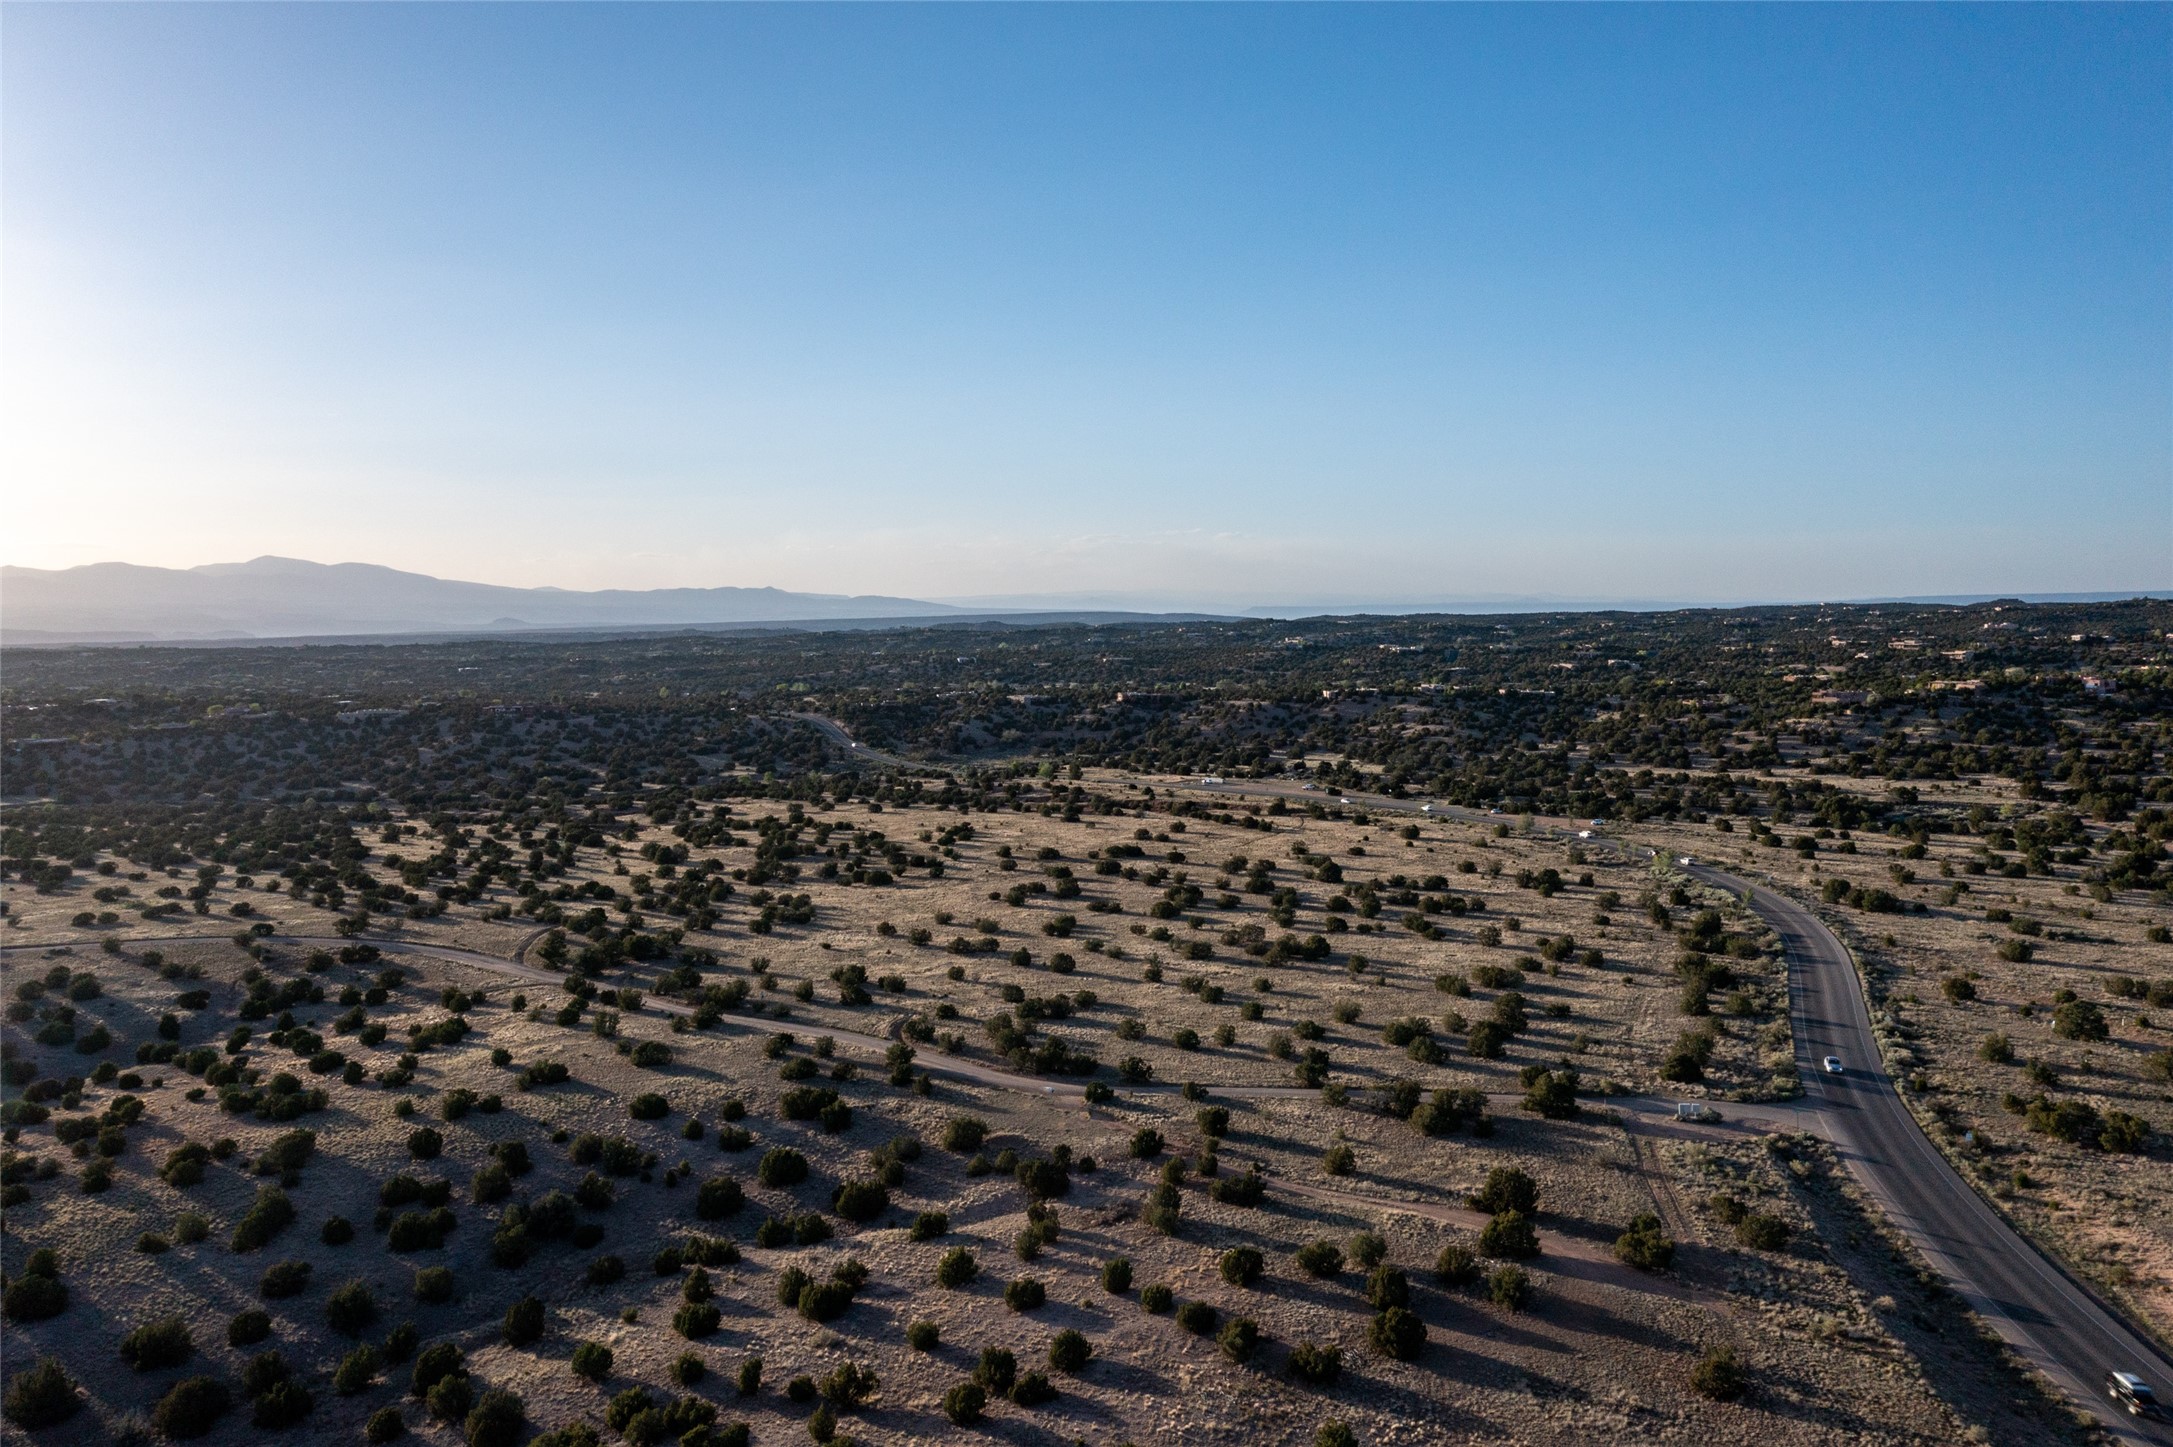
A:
(1233, 306)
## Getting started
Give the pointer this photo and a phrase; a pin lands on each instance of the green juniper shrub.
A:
(350, 1308)
(721, 1196)
(780, 1167)
(1069, 1351)
(451, 1398)
(1320, 1259)
(400, 1342)
(357, 1370)
(1762, 1232)
(248, 1328)
(1387, 1287)
(191, 1408)
(1316, 1365)
(1198, 1317)
(1239, 1339)
(996, 1370)
(41, 1396)
(964, 1134)
(1397, 1332)
(1645, 1245)
(283, 1279)
(495, 1420)
(1507, 1189)
(438, 1361)
(696, 1320)
(36, 1295)
(1719, 1375)
(1509, 1288)
(964, 1403)
(848, 1386)
(158, 1344)
(1456, 1266)
(1241, 1266)
(523, 1322)
(957, 1267)
(861, 1201)
(1509, 1236)
(271, 1213)
(282, 1404)
(824, 1300)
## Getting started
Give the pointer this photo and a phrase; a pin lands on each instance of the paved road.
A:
(2047, 1315)
(856, 752)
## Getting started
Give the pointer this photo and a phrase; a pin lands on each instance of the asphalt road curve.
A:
(2046, 1314)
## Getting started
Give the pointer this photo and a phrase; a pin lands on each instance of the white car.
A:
(1832, 1064)
(2132, 1394)
(1211, 779)
(1686, 860)
(1343, 801)
(1695, 1111)
(1426, 808)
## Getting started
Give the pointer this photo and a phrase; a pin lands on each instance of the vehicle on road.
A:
(1344, 800)
(2132, 1394)
(1212, 779)
(1686, 860)
(1426, 808)
(1832, 1064)
(1584, 834)
(1696, 1110)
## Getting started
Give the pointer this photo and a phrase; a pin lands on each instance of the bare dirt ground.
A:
(1601, 1352)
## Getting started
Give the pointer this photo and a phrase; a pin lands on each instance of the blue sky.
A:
(1210, 304)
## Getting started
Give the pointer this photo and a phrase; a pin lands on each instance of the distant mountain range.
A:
(287, 598)
(271, 598)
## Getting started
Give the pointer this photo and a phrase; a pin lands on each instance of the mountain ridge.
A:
(273, 596)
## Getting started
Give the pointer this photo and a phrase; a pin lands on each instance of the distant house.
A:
(1840, 697)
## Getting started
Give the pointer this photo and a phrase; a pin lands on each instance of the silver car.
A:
(1832, 1064)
